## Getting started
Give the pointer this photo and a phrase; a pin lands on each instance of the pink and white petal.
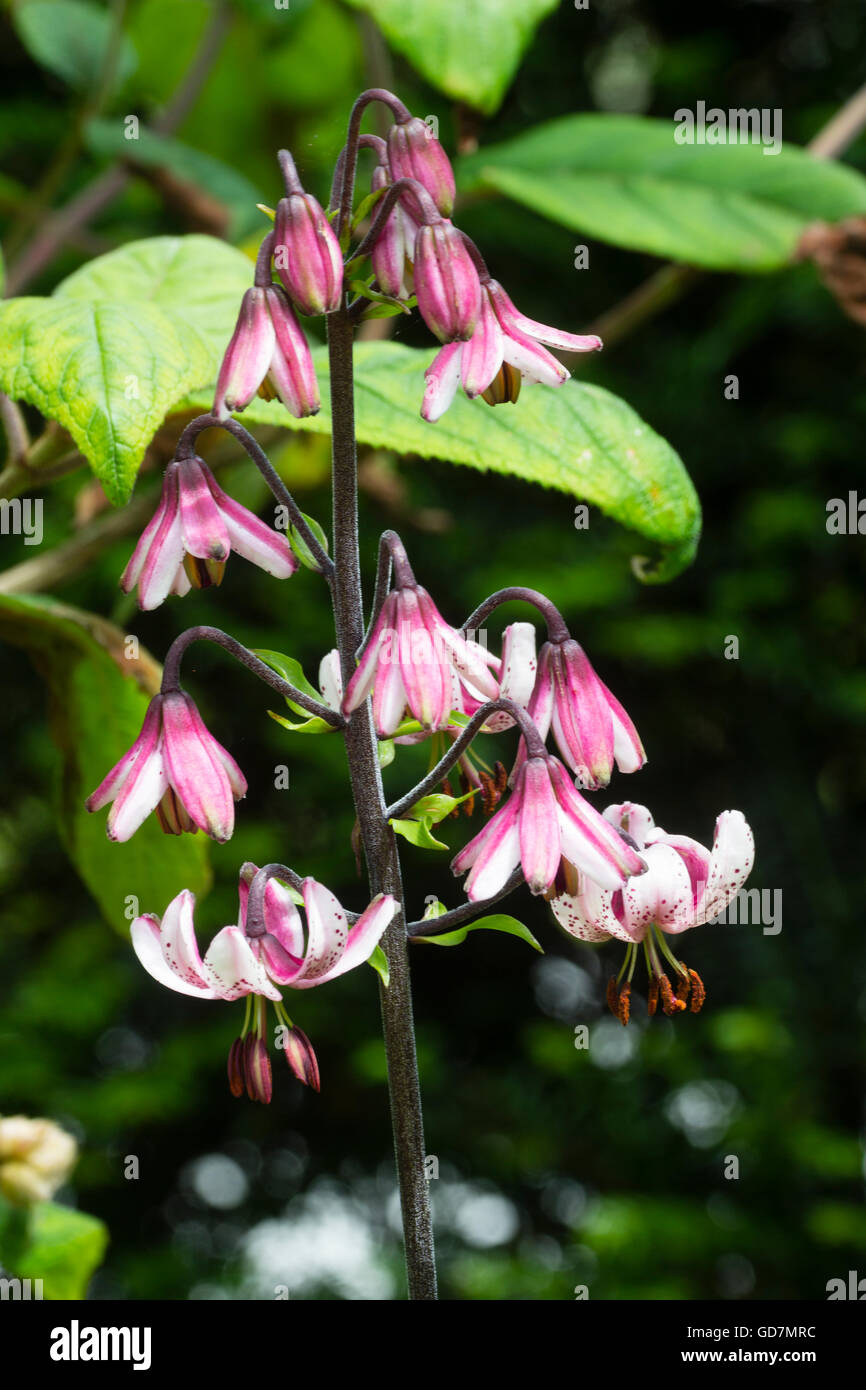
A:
(540, 707)
(283, 920)
(141, 793)
(327, 934)
(164, 556)
(331, 679)
(237, 780)
(389, 696)
(363, 939)
(628, 751)
(730, 864)
(533, 362)
(589, 915)
(511, 317)
(254, 539)
(422, 664)
(538, 825)
(195, 772)
(182, 583)
(362, 678)
(204, 533)
(519, 668)
(145, 932)
(695, 857)
(662, 895)
(634, 819)
(442, 378)
(482, 354)
(179, 946)
(168, 500)
(588, 840)
(493, 854)
(234, 970)
(582, 724)
(144, 746)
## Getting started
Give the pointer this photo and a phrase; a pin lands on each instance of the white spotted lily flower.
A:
(266, 951)
(685, 886)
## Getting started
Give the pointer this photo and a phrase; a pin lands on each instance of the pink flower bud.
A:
(302, 1059)
(248, 355)
(392, 254)
(446, 283)
(307, 254)
(415, 153)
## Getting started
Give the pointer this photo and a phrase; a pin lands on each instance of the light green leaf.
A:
(436, 807)
(65, 1246)
(468, 51)
(624, 179)
(292, 671)
(379, 962)
(221, 183)
(497, 922)
(72, 38)
(121, 342)
(417, 832)
(98, 698)
(580, 439)
(300, 547)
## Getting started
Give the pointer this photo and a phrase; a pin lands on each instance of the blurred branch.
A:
(17, 438)
(111, 182)
(667, 284)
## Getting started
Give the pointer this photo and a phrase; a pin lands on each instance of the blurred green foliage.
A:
(558, 1167)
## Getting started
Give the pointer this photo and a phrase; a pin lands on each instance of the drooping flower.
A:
(189, 538)
(415, 153)
(268, 354)
(544, 825)
(307, 254)
(408, 661)
(253, 959)
(446, 282)
(393, 253)
(685, 885)
(504, 348)
(36, 1157)
(176, 768)
(590, 726)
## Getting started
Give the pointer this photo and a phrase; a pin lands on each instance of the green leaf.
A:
(98, 698)
(121, 342)
(64, 1247)
(624, 179)
(429, 810)
(417, 832)
(292, 671)
(221, 183)
(300, 547)
(577, 438)
(379, 962)
(72, 40)
(498, 922)
(468, 51)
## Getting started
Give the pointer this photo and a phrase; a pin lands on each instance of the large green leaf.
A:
(98, 698)
(468, 51)
(579, 439)
(625, 180)
(62, 1248)
(121, 341)
(72, 39)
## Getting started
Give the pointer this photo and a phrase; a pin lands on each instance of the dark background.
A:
(558, 1167)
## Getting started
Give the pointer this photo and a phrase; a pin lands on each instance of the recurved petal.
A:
(362, 940)
(140, 794)
(143, 747)
(146, 943)
(179, 946)
(327, 935)
(165, 552)
(730, 864)
(233, 969)
(635, 820)
(662, 895)
(511, 318)
(482, 354)
(588, 915)
(533, 362)
(493, 854)
(253, 538)
(442, 379)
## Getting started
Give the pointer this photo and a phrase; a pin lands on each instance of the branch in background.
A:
(107, 186)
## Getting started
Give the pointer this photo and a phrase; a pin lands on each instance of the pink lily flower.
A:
(242, 962)
(268, 354)
(543, 825)
(446, 282)
(415, 153)
(504, 348)
(191, 535)
(685, 886)
(307, 254)
(176, 768)
(408, 661)
(590, 726)
(515, 672)
(393, 254)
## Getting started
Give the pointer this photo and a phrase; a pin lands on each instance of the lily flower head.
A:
(269, 355)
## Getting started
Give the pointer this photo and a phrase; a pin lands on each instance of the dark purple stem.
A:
(437, 926)
(427, 211)
(556, 628)
(396, 549)
(290, 174)
(534, 749)
(263, 275)
(477, 259)
(400, 112)
(255, 918)
(186, 449)
(174, 656)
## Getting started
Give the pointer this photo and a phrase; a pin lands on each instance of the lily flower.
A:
(176, 768)
(543, 825)
(408, 661)
(393, 253)
(446, 282)
(504, 348)
(255, 958)
(590, 726)
(191, 534)
(268, 354)
(307, 254)
(685, 886)
(415, 153)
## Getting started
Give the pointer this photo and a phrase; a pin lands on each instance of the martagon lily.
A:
(685, 886)
(265, 952)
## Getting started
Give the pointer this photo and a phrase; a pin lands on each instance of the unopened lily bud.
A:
(307, 254)
(36, 1157)
(257, 1070)
(236, 1067)
(391, 256)
(446, 283)
(415, 153)
(302, 1059)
